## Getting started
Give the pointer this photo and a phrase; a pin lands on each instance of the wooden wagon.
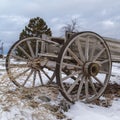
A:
(80, 63)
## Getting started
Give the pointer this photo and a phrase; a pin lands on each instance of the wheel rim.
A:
(31, 66)
(90, 65)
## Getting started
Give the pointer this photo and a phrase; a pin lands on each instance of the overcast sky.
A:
(101, 16)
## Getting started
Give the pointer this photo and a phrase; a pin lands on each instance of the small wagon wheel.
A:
(86, 57)
(29, 62)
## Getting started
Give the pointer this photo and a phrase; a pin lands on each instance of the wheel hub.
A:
(35, 64)
(91, 69)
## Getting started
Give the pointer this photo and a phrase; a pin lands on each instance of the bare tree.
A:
(71, 27)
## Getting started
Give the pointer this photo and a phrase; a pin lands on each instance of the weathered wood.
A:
(58, 40)
(114, 46)
(28, 69)
(85, 71)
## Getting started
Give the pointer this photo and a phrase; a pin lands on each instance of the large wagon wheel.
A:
(88, 67)
(29, 62)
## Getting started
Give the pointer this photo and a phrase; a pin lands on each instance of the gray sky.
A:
(101, 16)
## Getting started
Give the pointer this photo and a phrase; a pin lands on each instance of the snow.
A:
(18, 113)
(82, 111)
(16, 108)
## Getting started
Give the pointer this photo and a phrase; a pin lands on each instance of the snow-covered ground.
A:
(82, 111)
(17, 104)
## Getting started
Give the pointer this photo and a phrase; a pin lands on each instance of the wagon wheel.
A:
(29, 62)
(86, 57)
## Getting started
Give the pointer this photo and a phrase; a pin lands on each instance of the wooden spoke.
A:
(86, 88)
(46, 62)
(42, 46)
(52, 78)
(40, 77)
(18, 65)
(18, 57)
(22, 73)
(92, 85)
(87, 49)
(98, 55)
(36, 48)
(30, 48)
(104, 72)
(73, 85)
(78, 44)
(71, 75)
(75, 57)
(49, 68)
(45, 74)
(80, 87)
(104, 61)
(98, 80)
(71, 65)
(34, 78)
(27, 78)
(93, 51)
(24, 52)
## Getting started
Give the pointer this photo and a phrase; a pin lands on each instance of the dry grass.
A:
(11, 96)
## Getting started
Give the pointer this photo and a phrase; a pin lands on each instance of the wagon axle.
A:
(35, 64)
(91, 69)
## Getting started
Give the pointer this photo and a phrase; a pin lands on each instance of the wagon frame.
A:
(80, 62)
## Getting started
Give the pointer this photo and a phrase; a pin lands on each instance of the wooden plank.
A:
(52, 55)
(114, 46)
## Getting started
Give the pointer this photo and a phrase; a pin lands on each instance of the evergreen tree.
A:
(36, 27)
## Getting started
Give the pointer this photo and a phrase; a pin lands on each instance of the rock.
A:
(55, 110)
(44, 98)
(64, 105)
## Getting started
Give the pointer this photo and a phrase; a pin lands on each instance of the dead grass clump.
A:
(33, 104)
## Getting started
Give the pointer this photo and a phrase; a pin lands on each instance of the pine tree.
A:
(36, 27)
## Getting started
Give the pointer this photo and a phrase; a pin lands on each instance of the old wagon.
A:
(80, 63)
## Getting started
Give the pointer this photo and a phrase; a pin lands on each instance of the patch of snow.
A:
(20, 110)
(82, 111)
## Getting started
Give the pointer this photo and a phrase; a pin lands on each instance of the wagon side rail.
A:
(114, 46)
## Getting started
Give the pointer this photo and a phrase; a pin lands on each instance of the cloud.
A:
(108, 23)
(10, 28)
(17, 20)
(101, 16)
(54, 20)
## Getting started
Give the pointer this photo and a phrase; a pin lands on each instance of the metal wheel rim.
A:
(83, 77)
(32, 73)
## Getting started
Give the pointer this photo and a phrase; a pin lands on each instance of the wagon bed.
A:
(80, 62)
(114, 46)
